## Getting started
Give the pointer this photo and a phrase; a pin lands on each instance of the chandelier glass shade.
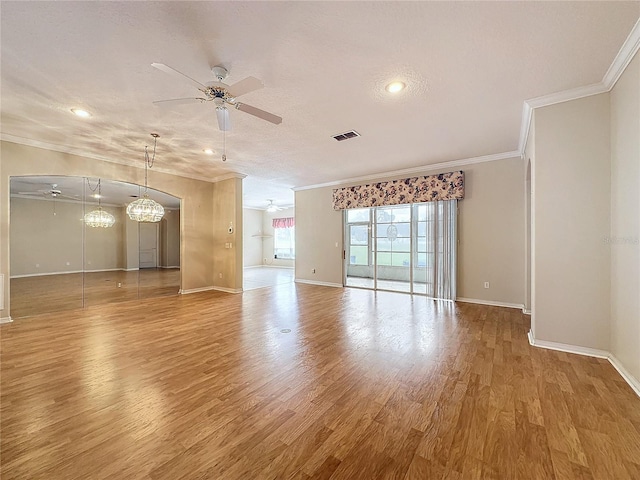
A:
(145, 209)
(99, 218)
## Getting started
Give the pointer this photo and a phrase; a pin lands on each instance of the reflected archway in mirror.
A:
(66, 264)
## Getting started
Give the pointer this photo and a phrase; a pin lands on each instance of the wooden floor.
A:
(300, 381)
(56, 293)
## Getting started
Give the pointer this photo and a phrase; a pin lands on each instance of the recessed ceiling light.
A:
(395, 87)
(96, 195)
(81, 113)
(208, 151)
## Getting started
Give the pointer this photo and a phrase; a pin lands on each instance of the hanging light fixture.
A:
(98, 218)
(146, 209)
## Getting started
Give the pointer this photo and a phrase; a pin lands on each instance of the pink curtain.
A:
(284, 222)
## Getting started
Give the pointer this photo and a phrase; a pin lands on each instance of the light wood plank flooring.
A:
(57, 293)
(300, 381)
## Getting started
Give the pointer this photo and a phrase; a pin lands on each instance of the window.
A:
(284, 238)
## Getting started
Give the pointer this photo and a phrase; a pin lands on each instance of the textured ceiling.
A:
(113, 193)
(468, 66)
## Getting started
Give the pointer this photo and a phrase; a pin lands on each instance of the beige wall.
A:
(267, 244)
(252, 244)
(197, 247)
(227, 211)
(132, 243)
(318, 237)
(491, 244)
(491, 233)
(44, 243)
(571, 180)
(625, 219)
(170, 239)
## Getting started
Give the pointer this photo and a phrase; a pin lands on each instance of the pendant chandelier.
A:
(146, 209)
(98, 218)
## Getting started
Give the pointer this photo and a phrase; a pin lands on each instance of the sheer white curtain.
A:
(442, 240)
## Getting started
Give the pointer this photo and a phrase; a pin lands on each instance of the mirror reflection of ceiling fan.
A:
(272, 207)
(221, 94)
(53, 192)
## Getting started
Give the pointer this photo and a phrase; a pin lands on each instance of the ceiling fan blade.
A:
(178, 101)
(256, 112)
(60, 195)
(29, 193)
(177, 74)
(224, 122)
(247, 85)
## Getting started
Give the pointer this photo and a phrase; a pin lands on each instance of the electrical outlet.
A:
(37, 265)
(119, 285)
(486, 284)
(68, 263)
(220, 275)
(313, 270)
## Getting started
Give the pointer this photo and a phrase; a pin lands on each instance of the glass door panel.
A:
(358, 259)
(393, 248)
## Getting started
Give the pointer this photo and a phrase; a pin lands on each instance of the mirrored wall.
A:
(73, 245)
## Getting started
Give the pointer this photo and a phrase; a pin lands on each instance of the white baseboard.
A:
(74, 271)
(564, 347)
(526, 311)
(195, 290)
(589, 352)
(490, 303)
(277, 266)
(322, 284)
(169, 266)
(227, 290)
(5, 320)
(630, 379)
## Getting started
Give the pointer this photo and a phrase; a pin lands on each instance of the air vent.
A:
(346, 135)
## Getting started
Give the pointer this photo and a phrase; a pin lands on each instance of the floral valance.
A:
(430, 188)
(284, 222)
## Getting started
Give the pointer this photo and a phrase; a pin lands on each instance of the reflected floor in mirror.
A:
(303, 381)
(55, 293)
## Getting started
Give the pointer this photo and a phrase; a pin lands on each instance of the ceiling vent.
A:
(346, 135)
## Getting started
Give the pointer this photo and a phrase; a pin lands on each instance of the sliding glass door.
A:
(404, 248)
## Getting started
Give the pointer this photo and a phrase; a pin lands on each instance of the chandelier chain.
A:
(148, 162)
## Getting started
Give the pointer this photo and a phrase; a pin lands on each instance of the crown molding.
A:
(525, 126)
(227, 176)
(546, 100)
(414, 170)
(6, 137)
(620, 62)
(623, 58)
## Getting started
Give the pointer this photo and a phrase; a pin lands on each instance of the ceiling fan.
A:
(272, 207)
(53, 192)
(221, 94)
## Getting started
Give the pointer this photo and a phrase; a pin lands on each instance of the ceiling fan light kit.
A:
(146, 209)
